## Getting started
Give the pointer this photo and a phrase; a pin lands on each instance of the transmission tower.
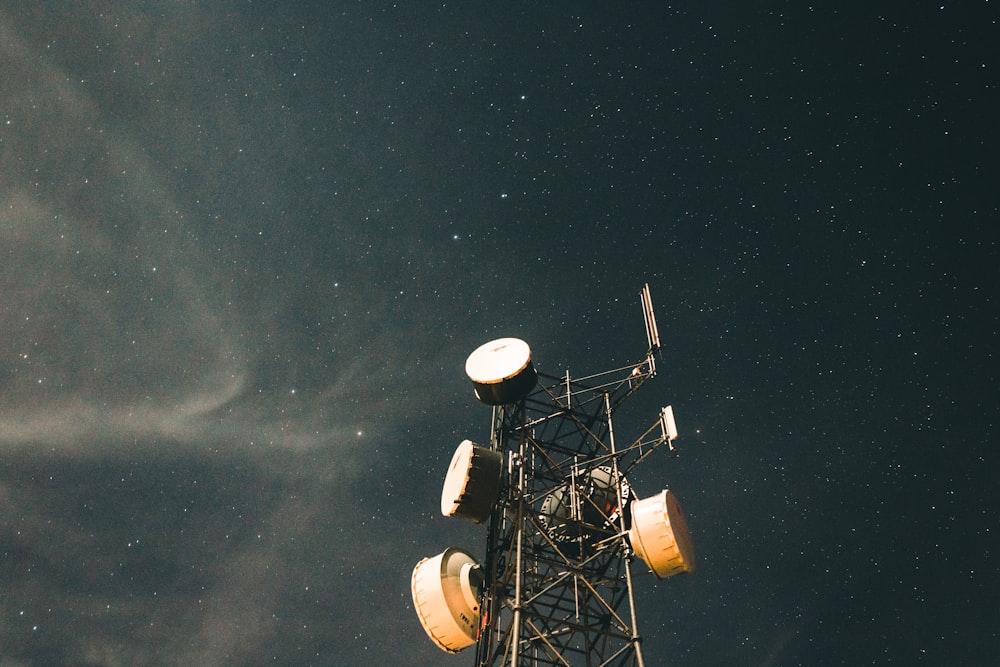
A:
(564, 525)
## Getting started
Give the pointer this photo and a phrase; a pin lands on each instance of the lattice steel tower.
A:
(564, 524)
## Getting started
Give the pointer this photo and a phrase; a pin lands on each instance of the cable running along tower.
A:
(564, 526)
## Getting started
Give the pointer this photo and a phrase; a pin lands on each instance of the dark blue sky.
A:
(245, 250)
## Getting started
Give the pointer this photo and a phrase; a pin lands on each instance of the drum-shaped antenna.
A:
(501, 371)
(473, 482)
(568, 513)
(446, 591)
(660, 537)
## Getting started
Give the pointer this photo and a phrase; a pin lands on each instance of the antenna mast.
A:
(564, 525)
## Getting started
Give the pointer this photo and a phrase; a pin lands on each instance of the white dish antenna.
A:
(501, 371)
(660, 537)
(576, 508)
(472, 484)
(446, 592)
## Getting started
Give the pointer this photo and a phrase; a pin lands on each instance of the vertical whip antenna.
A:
(652, 334)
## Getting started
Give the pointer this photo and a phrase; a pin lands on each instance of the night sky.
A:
(246, 248)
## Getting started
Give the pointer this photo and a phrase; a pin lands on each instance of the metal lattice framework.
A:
(558, 583)
(565, 527)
